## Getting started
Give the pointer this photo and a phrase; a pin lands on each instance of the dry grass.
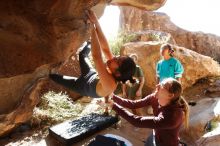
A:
(58, 107)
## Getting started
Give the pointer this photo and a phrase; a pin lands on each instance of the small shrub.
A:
(122, 38)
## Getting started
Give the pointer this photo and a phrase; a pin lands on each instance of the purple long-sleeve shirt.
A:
(166, 121)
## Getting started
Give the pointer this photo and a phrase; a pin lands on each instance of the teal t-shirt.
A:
(169, 68)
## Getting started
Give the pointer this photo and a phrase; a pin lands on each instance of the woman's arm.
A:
(140, 75)
(139, 91)
(124, 90)
(157, 80)
(133, 104)
(157, 73)
(161, 121)
(106, 83)
(102, 39)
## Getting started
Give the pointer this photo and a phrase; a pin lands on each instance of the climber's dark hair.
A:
(126, 70)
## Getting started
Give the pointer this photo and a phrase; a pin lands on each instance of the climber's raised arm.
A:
(102, 39)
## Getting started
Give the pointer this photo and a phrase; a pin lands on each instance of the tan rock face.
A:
(38, 32)
(142, 4)
(23, 110)
(206, 44)
(196, 66)
(13, 88)
(211, 138)
(200, 114)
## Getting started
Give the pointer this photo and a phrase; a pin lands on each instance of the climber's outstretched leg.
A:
(86, 68)
(66, 81)
(84, 62)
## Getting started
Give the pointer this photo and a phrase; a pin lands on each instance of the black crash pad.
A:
(73, 131)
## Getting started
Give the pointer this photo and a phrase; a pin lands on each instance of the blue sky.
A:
(192, 15)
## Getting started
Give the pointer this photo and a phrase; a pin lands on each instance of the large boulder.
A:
(196, 66)
(132, 20)
(24, 109)
(210, 139)
(201, 114)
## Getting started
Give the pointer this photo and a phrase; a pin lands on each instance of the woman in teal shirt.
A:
(168, 66)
